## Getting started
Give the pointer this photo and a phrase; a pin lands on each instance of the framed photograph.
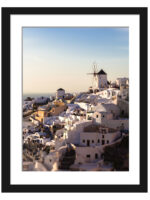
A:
(74, 99)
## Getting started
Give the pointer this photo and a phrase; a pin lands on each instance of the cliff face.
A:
(118, 155)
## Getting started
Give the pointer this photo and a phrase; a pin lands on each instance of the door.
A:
(96, 156)
(103, 142)
(88, 143)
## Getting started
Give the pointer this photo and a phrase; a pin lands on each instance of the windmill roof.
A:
(101, 72)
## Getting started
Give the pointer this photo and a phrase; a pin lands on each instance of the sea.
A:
(35, 95)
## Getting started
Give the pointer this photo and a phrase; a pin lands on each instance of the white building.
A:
(72, 131)
(109, 93)
(99, 116)
(106, 119)
(124, 92)
(60, 93)
(52, 160)
(92, 144)
(122, 81)
(104, 136)
(124, 106)
(88, 154)
(89, 115)
(85, 106)
(109, 108)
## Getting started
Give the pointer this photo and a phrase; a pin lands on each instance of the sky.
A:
(62, 57)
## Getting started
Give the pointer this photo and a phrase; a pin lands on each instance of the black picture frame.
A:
(6, 13)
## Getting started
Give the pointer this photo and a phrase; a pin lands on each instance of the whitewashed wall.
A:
(82, 152)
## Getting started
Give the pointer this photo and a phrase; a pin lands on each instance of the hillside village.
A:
(79, 132)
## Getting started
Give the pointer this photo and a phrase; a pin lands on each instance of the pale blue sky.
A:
(62, 57)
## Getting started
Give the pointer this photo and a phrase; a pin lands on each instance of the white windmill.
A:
(99, 78)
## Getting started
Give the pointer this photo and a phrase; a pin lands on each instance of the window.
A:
(50, 160)
(122, 112)
(96, 116)
(88, 143)
(107, 141)
(103, 142)
(88, 156)
(103, 136)
(89, 118)
(98, 141)
(103, 130)
(96, 156)
(92, 141)
(83, 141)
